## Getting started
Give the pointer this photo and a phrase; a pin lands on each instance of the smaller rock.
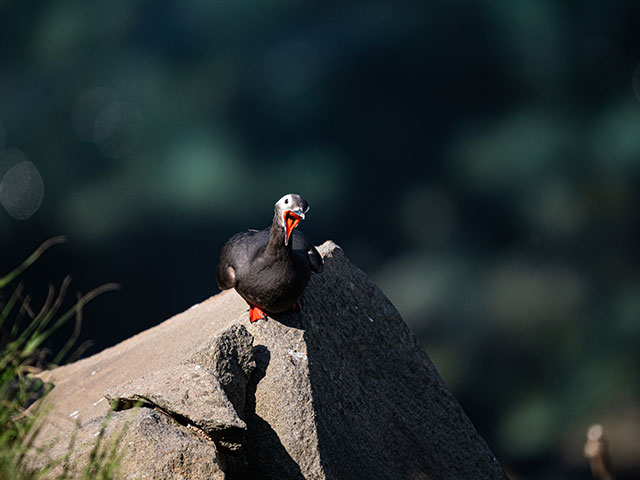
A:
(174, 453)
(230, 357)
(190, 394)
(138, 443)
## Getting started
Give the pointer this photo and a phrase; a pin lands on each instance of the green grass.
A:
(23, 332)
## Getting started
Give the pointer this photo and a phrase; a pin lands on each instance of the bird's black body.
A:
(266, 271)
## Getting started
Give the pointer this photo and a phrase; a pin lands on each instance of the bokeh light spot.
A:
(201, 170)
(118, 129)
(428, 289)
(555, 207)
(513, 153)
(87, 108)
(522, 297)
(615, 143)
(21, 190)
(529, 425)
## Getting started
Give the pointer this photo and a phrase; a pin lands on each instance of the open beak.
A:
(291, 220)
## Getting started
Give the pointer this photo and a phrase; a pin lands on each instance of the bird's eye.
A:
(286, 201)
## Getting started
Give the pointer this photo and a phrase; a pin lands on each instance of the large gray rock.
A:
(342, 390)
(347, 392)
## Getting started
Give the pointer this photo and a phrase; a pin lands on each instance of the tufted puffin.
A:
(270, 268)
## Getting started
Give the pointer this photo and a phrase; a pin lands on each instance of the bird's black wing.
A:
(302, 242)
(232, 255)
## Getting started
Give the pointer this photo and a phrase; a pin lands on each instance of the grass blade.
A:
(4, 281)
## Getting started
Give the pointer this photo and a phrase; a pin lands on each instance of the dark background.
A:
(480, 160)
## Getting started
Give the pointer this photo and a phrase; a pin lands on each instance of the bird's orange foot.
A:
(256, 314)
(297, 307)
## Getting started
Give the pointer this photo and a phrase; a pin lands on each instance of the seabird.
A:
(270, 268)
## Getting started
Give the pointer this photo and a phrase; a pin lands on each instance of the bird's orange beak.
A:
(291, 221)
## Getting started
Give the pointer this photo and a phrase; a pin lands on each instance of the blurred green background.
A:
(480, 160)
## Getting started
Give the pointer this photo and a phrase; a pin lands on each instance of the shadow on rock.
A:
(263, 444)
(289, 319)
(381, 409)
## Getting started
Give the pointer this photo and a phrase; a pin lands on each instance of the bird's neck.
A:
(276, 244)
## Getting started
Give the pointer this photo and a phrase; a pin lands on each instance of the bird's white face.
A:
(284, 203)
(290, 210)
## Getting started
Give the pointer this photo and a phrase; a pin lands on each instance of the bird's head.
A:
(289, 210)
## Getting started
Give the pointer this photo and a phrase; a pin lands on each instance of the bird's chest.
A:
(274, 282)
